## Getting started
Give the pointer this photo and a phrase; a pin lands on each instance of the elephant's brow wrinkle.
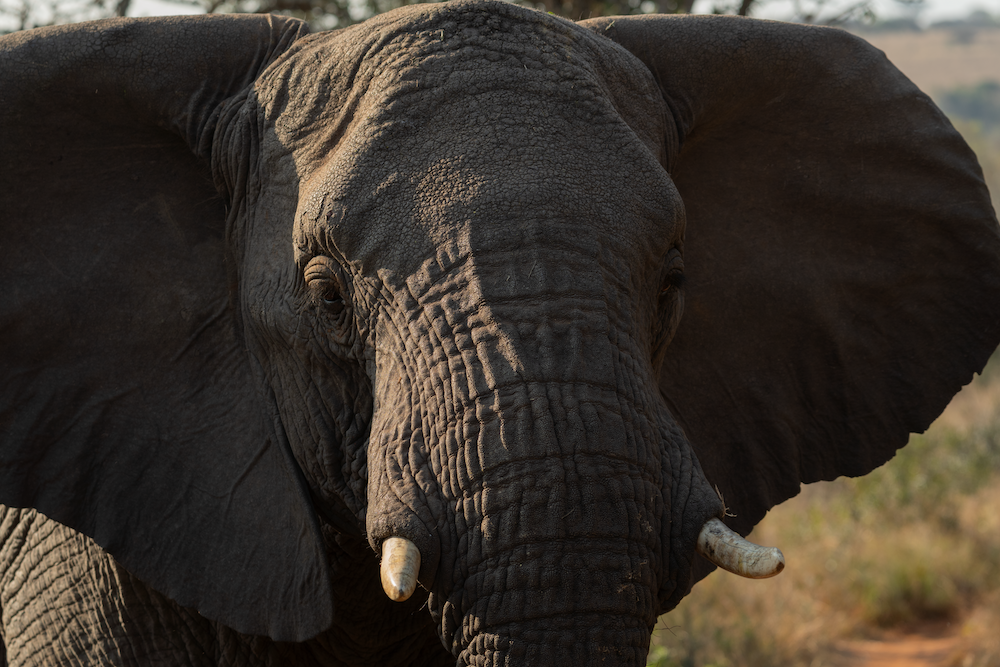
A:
(564, 298)
(496, 561)
(444, 389)
(436, 272)
(537, 383)
(635, 470)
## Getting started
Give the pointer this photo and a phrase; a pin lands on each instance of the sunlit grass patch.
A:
(981, 630)
(848, 574)
(917, 540)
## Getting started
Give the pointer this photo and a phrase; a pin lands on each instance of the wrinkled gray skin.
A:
(439, 307)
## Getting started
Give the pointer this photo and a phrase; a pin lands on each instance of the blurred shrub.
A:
(975, 112)
(917, 572)
(980, 103)
(985, 142)
(981, 628)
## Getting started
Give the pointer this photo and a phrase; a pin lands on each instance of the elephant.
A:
(465, 335)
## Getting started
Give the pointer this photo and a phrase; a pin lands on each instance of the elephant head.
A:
(523, 297)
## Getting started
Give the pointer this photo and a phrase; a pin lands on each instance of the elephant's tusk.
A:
(400, 565)
(724, 547)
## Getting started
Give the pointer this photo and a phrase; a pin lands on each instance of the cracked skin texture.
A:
(272, 297)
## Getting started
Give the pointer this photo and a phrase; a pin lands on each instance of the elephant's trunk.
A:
(558, 521)
(520, 442)
(583, 603)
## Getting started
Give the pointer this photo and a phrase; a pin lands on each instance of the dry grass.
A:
(914, 542)
(983, 648)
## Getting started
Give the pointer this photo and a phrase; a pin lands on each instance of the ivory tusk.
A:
(400, 565)
(724, 547)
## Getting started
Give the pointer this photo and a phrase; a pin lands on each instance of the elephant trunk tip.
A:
(727, 549)
(400, 565)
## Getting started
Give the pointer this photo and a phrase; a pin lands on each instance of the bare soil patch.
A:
(929, 646)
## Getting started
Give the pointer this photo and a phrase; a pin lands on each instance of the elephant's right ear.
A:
(843, 258)
(129, 407)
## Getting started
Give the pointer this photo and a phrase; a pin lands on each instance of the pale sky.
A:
(934, 10)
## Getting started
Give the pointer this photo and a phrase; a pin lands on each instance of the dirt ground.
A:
(931, 646)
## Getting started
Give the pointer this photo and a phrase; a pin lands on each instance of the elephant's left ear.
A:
(130, 409)
(843, 257)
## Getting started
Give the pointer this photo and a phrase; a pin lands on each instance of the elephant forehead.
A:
(485, 132)
(400, 67)
(487, 188)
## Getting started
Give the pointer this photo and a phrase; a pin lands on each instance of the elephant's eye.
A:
(669, 305)
(329, 295)
(673, 273)
(673, 280)
(326, 292)
(321, 277)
